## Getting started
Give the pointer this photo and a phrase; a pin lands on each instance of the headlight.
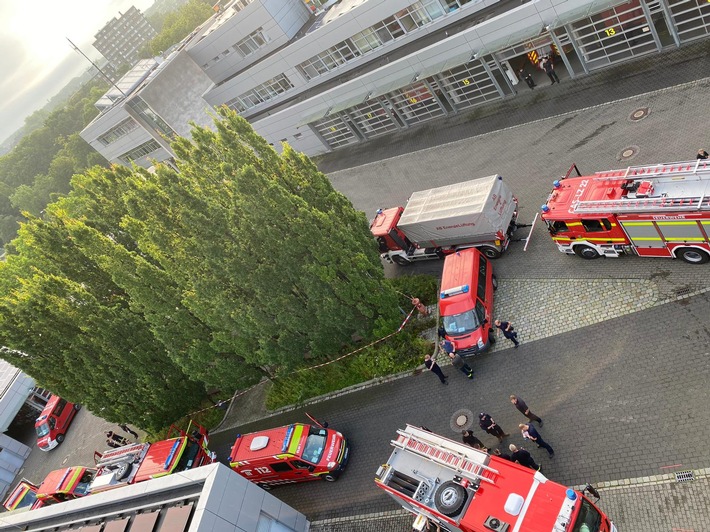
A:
(331, 465)
(480, 343)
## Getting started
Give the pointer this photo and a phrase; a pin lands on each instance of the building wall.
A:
(280, 20)
(12, 457)
(121, 38)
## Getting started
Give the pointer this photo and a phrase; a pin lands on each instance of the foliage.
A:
(179, 24)
(135, 291)
(399, 353)
(40, 167)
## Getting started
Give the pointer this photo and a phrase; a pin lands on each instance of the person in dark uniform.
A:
(508, 331)
(549, 68)
(486, 422)
(126, 428)
(471, 440)
(524, 410)
(527, 77)
(529, 432)
(523, 457)
(702, 154)
(432, 366)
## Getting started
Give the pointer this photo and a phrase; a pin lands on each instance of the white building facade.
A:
(331, 78)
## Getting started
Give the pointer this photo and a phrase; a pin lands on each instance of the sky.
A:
(36, 60)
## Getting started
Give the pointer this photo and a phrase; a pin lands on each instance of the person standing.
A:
(456, 361)
(507, 328)
(527, 77)
(471, 440)
(432, 366)
(702, 154)
(523, 457)
(523, 409)
(486, 422)
(120, 440)
(112, 443)
(530, 433)
(549, 68)
(126, 428)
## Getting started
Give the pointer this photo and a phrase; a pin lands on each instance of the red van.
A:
(53, 422)
(466, 301)
(285, 455)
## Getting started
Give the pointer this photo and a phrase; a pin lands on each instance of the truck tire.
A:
(330, 478)
(123, 470)
(490, 252)
(77, 407)
(450, 498)
(399, 260)
(693, 255)
(586, 252)
(60, 438)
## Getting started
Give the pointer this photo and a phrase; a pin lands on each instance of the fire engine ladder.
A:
(435, 449)
(658, 204)
(699, 168)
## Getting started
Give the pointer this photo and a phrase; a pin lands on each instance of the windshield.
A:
(315, 443)
(42, 430)
(28, 500)
(463, 323)
(588, 519)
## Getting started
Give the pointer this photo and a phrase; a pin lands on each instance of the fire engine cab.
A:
(466, 490)
(660, 210)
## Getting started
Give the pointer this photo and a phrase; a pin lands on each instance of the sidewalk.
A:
(657, 504)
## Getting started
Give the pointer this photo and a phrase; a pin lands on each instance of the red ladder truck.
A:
(660, 210)
(467, 490)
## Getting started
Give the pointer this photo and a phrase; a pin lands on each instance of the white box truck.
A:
(480, 213)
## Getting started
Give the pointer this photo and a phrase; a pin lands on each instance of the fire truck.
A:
(60, 485)
(467, 490)
(660, 210)
(138, 462)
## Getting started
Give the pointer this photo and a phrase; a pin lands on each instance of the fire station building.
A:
(349, 71)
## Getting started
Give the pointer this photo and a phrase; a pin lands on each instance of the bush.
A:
(400, 352)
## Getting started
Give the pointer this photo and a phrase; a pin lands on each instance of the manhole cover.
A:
(683, 291)
(628, 153)
(461, 420)
(684, 476)
(639, 114)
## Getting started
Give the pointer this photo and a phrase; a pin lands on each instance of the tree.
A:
(178, 24)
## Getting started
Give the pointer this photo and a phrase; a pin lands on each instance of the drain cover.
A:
(628, 153)
(639, 114)
(683, 291)
(684, 476)
(461, 420)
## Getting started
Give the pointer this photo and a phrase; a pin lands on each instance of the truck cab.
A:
(23, 497)
(285, 455)
(52, 424)
(466, 301)
(65, 484)
(394, 245)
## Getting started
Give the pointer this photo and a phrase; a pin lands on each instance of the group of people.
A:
(114, 440)
(547, 64)
(527, 430)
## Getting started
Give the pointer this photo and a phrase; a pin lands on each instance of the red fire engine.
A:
(660, 210)
(466, 490)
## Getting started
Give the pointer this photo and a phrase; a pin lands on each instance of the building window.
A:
(267, 523)
(251, 43)
(138, 152)
(405, 21)
(260, 94)
(117, 132)
(151, 118)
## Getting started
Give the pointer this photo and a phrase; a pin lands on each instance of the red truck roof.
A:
(265, 443)
(385, 220)
(69, 480)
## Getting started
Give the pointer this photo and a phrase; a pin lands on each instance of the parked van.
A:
(285, 455)
(53, 422)
(466, 301)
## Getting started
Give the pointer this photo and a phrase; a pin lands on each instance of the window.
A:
(480, 310)
(463, 323)
(138, 152)
(593, 226)
(280, 467)
(251, 43)
(482, 271)
(259, 94)
(266, 523)
(151, 117)
(60, 407)
(588, 519)
(315, 444)
(123, 128)
(298, 464)
(557, 226)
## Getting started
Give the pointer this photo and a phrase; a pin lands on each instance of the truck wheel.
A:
(586, 252)
(123, 470)
(450, 498)
(693, 255)
(330, 478)
(491, 338)
(488, 251)
(60, 438)
(77, 407)
(400, 260)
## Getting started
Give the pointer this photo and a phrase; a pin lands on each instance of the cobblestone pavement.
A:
(621, 398)
(643, 505)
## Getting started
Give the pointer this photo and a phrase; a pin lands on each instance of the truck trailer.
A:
(480, 213)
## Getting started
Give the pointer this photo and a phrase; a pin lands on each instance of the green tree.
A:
(179, 24)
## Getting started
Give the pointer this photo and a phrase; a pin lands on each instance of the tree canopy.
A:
(244, 262)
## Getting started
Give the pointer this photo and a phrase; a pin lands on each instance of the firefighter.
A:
(115, 438)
